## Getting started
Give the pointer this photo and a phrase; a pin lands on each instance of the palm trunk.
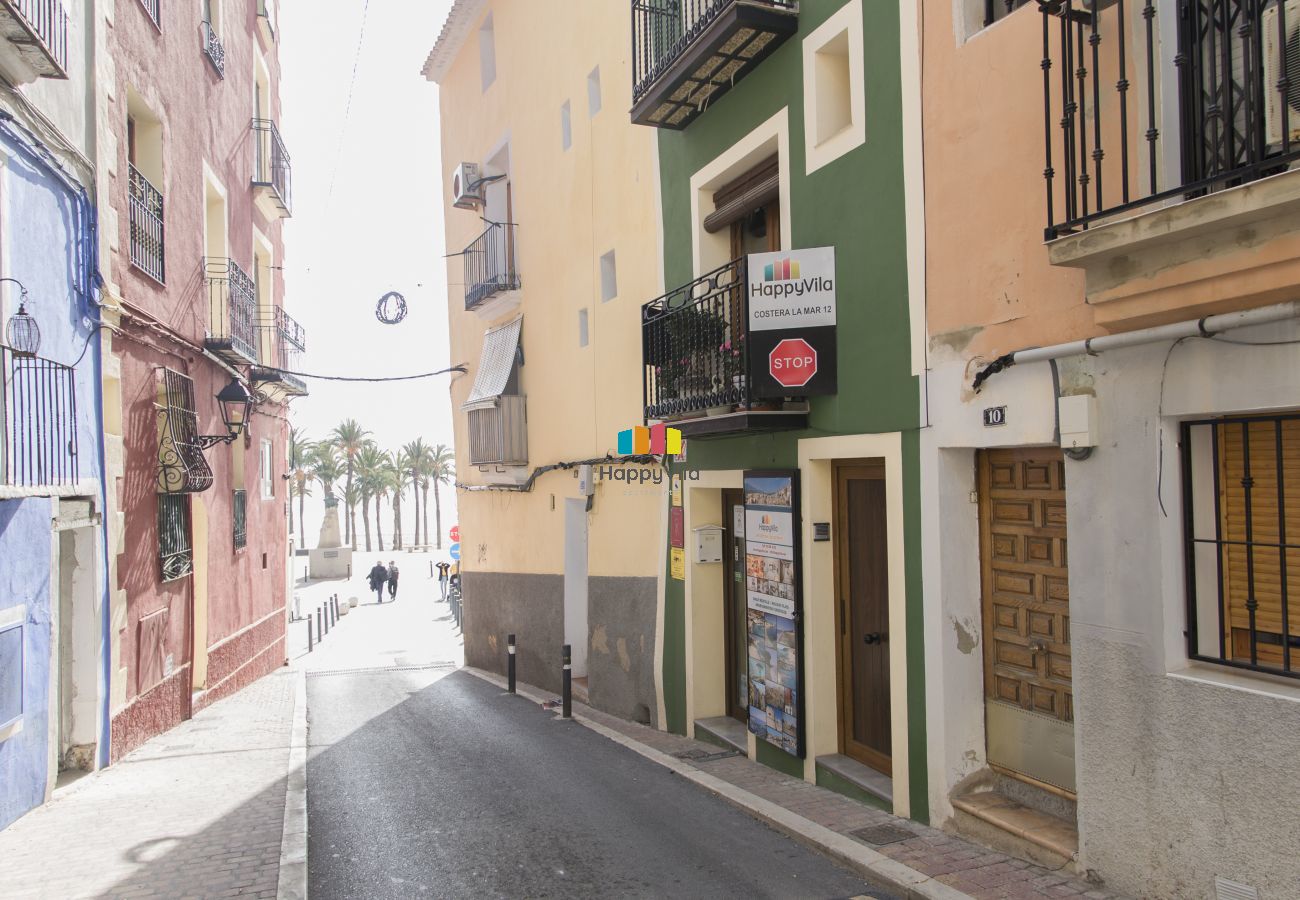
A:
(397, 521)
(349, 526)
(379, 519)
(415, 498)
(351, 518)
(365, 518)
(291, 514)
(302, 501)
(437, 516)
(425, 489)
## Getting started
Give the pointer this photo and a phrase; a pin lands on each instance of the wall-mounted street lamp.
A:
(236, 407)
(21, 333)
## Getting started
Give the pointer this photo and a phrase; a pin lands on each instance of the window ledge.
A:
(1275, 687)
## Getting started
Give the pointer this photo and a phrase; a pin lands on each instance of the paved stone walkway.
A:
(195, 812)
(968, 867)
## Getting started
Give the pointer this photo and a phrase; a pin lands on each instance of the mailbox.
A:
(708, 544)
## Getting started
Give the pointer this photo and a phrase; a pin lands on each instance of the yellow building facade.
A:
(552, 195)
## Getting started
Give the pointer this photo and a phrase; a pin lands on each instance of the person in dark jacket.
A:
(392, 579)
(443, 568)
(378, 575)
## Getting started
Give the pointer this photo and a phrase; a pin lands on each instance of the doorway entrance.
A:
(77, 627)
(862, 582)
(1029, 707)
(733, 603)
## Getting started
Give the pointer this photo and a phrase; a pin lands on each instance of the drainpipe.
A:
(1205, 327)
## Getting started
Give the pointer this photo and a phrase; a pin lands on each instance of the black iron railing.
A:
(662, 30)
(1241, 507)
(241, 519)
(148, 235)
(271, 165)
(996, 10)
(38, 421)
(694, 347)
(290, 331)
(490, 264)
(182, 468)
(232, 307)
(154, 10)
(1107, 132)
(174, 553)
(48, 20)
(212, 46)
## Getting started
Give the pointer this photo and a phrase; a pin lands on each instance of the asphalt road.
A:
(433, 783)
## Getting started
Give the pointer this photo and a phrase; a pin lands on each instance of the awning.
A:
(740, 197)
(495, 365)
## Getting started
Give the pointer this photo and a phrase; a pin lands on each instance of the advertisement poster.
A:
(792, 303)
(772, 608)
(677, 563)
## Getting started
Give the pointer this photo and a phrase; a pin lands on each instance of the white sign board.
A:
(792, 289)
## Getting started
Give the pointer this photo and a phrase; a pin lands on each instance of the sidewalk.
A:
(197, 811)
(930, 863)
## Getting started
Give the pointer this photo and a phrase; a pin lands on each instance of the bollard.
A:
(567, 695)
(309, 641)
(336, 607)
(510, 663)
(327, 620)
(320, 622)
(430, 568)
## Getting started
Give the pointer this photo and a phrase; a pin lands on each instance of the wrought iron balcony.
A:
(212, 46)
(1116, 142)
(148, 234)
(688, 53)
(240, 517)
(232, 312)
(182, 468)
(695, 354)
(37, 33)
(38, 421)
(490, 265)
(154, 10)
(498, 436)
(272, 171)
(283, 342)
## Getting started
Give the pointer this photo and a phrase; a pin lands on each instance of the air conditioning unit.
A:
(1278, 53)
(467, 186)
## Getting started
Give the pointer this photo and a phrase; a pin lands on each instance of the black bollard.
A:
(309, 641)
(510, 663)
(336, 607)
(567, 695)
(430, 568)
(327, 619)
(320, 625)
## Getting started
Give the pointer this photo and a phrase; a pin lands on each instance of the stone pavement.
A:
(195, 812)
(969, 868)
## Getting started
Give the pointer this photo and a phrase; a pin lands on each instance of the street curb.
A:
(877, 868)
(293, 841)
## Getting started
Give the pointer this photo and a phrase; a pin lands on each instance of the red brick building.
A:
(194, 184)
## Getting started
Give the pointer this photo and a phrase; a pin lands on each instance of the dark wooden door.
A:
(733, 606)
(862, 578)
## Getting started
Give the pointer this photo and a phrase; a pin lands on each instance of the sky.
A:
(367, 219)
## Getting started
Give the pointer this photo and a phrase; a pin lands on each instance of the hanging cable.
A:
(461, 370)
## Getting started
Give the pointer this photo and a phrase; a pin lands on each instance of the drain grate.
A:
(697, 756)
(882, 834)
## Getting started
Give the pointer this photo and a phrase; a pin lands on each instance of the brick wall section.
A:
(163, 706)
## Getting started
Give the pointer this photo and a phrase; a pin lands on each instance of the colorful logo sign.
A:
(659, 440)
(781, 270)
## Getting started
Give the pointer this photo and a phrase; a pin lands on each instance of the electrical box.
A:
(1078, 419)
(708, 544)
(586, 481)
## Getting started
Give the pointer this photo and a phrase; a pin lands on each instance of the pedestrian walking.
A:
(392, 579)
(444, 567)
(378, 576)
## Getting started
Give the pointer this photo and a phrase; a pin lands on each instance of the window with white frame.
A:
(608, 277)
(11, 670)
(265, 469)
(834, 87)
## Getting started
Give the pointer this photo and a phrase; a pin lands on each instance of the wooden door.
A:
(1026, 588)
(733, 605)
(862, 579)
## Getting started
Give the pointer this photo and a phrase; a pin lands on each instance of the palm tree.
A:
(350, 497)
(301, 475)
(348, 438)
(417, 456)
(399, 481)
(372, 464)
(441, 471)
(325, 465)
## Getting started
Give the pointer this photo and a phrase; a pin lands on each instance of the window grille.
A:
(148, 234)
(1241, 490)
(241, 519)
(174, 536)
(182, 469)
(997, 10)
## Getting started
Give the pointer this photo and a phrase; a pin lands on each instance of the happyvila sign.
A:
(791, 297)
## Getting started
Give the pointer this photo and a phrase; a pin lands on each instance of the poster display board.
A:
(773, 628)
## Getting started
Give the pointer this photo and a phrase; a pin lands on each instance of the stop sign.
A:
(455, 534)
(792, 362)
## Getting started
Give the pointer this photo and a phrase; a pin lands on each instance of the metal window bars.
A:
(693, 345)
(174, 549)
(232, 307)
(240, 517)
(48, 21)
(271, 165)
(212, 47)
(148, 235)
(38, 421)
(1104, 122)
(182, 468)
(490, 264)
(997, 10)
(154, 9)
(1241, 508)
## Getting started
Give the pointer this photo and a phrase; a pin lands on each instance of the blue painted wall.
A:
(25, 580)
(47, 227)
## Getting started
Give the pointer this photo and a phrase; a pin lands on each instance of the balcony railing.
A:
(232, 312)
(271, 167)
(283, 341)
(241, 519)
(154, 10)
(1114, 145)
(212, 46)
(45, 44)
(499, 435)
(687, 53)
(490, 264)
(147, 230)
(38, 421)
(289, 329)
